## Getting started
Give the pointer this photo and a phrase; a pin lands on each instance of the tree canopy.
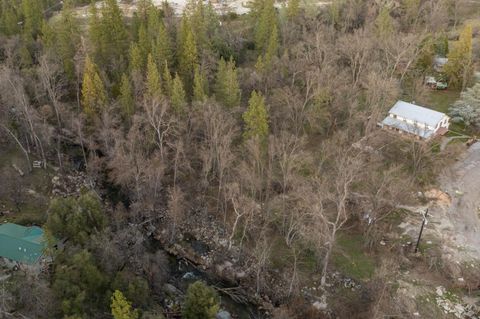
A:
(76, 218)
(201, 302)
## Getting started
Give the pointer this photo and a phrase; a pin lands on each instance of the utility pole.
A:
(421, 229)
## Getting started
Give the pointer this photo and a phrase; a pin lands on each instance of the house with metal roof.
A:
(22, 244)
(415, 120)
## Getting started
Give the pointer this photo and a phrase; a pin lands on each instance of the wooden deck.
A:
(442, 131)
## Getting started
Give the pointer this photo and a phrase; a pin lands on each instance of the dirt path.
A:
(459, 223)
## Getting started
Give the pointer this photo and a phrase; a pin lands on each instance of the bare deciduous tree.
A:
(217, 129)
(158, 116)
(176, 208)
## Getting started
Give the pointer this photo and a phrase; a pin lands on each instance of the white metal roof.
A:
(417, 113)
(409, 128)
(441, 61)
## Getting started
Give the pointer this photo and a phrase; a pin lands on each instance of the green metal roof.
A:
(20, 243)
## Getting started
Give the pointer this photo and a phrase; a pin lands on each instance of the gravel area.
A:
(459, 223)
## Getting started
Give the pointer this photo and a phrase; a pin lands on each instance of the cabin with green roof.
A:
(22, 244)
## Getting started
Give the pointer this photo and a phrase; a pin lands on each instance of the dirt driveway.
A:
(458, 224)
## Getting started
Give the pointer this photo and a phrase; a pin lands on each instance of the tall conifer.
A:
(126, 99)
(178, 97)
(187, 53)
(94, 97)
(227, 89)
(256, 118)
(199, 86)
(154, 84)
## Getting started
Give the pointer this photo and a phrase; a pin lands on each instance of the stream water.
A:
(182, 274)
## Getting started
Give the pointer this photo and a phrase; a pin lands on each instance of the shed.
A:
(416, 120)
(21, 244)
(439, 63)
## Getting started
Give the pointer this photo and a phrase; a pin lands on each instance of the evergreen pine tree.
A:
(67, 39)
(459, 68)
(126, 99)
(264, 25)
(201, 302)
(114, 30)
(154, 84)
(137, 63)
(187, 53)
(121, 307)
(272, 48)
(94, 97)
(178, 97)
(108, 35)
(411, 10)
(384, 23)
(167, 80)
(32, 11)
(293, 7)
(162, 47)
(49, 38)
(255, 7)
(95, 31)
(227, 89)
(199, 86)
(79, 284)
(154, 19)
(26, 59)
(197, 17)
(256, 118)
(143, 42)
(9, 18)
(143, 9)
(260, 66)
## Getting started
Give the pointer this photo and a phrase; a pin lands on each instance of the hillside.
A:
(231, 159)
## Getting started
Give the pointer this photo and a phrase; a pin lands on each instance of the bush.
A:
(202, 302)
(76, 218)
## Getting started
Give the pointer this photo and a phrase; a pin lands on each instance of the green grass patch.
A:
(350, 259)
(31, 213)
(31, 192)
(282, 256)
(395, 218)
(442, 100)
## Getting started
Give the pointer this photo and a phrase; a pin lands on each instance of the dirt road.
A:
(459, 223)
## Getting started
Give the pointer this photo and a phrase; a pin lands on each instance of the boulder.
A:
(222, 314)
(171, 290)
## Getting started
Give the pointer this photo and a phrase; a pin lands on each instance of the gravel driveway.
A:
(459, 223)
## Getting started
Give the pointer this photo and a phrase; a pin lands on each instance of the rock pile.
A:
(68, 185)
(451, 304)
(440, 198)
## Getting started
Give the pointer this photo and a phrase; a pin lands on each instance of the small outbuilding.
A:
(415, 120)
(439, 63)
(432, 83)
(22, 244)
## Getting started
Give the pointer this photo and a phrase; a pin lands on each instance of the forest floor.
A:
(23, 199)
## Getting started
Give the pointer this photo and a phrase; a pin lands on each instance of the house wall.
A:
(444, 123)
(420, 125)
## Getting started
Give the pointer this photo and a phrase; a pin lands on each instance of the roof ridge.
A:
(419, 106)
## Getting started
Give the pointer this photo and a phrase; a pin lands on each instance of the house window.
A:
(394, 116)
